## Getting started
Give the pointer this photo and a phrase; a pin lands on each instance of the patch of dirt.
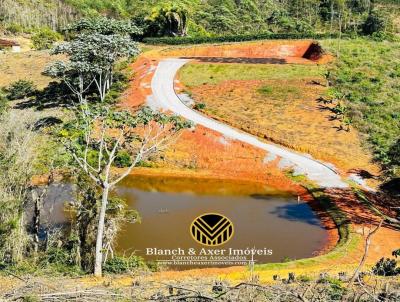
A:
(288, 51)
(140, 87)
(208, 153)
(363, 219)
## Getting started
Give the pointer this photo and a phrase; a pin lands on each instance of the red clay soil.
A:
(287, 51)
(363, 219)
(140, 87)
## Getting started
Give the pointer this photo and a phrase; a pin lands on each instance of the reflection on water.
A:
(263, 217)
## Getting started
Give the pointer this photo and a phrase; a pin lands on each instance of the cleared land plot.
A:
(194, 75)
(278, 102)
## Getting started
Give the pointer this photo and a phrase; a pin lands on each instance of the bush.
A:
(45, 38)
(120, 265)
(374, 23)
(57, 255)
(14, 28)
(236, 38)
(199, 106)
(20, 89)
(396, 253)
(386, 267)
(266, 90)
(123, 159)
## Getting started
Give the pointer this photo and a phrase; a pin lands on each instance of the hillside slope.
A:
(36, 13)
(205, 16)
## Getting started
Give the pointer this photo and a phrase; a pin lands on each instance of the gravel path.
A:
(164, 97)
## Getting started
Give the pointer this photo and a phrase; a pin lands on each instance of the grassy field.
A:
(212, 74)
(367, 77)
(279, 102)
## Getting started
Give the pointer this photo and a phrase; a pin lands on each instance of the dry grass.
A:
(279, 103)
(25, 66)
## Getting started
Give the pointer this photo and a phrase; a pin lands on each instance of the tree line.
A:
(212, 17)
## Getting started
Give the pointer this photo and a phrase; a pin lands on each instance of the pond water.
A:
(263, 217)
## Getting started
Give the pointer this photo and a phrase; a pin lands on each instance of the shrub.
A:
(374, 23)
(386, 267)
(123, 159)
(14, 28)
(266, 90)
(20, 89)
(236, 38)
(57, 255)
(199, 106)
(45, 38)
(336, 291)
(120, 265)
(304, 278)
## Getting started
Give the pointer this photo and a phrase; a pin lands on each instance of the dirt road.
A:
(164, 97)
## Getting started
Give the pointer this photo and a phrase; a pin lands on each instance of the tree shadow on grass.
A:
(46, 122)
(55, 95)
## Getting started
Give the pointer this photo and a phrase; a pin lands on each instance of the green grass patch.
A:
(279, 92)
(265, 90)
(193, 75)
(367, 77)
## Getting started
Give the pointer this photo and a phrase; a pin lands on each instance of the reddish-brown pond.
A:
(264, 218)
(269, 220)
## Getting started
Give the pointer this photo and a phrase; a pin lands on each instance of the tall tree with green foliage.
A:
(170, 20)
(91, 61)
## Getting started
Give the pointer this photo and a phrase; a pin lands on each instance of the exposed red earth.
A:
(289, 52)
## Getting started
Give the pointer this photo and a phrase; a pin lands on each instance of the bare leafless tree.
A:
(366, 249)
(107, 133)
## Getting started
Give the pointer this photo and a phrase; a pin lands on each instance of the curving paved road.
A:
(164, 97)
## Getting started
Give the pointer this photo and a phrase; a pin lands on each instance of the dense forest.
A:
(203, 18)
